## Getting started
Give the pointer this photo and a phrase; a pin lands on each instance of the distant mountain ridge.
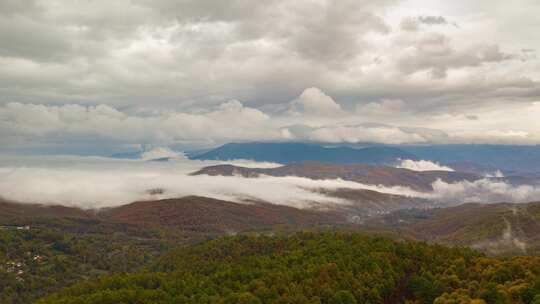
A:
(474, 157)
(286, 153)
(502, 157)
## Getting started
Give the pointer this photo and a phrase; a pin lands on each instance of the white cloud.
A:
(93, 182)
(230, 121)
(422, 165)
(313, 101)
(159, 152)
(357, 134)
(385, 106)
(483, 191)
(102, 182)
(24, 123)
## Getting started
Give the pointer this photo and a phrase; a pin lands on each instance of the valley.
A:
(45, 248)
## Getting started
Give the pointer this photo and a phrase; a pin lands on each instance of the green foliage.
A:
(316, 268)
(343, 297)
(42, 260)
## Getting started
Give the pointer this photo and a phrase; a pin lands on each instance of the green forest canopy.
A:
(309, 267)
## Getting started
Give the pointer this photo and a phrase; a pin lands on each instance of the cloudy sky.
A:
(103, 76)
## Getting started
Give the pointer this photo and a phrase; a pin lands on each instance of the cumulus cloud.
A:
(313, 101)
(229, 121)
(357, 134)
(422, 165)
(317, 117)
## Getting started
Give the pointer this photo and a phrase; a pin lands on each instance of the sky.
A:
(94, 77)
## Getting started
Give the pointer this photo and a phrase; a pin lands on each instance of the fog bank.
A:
(96, 182)
(93, 182)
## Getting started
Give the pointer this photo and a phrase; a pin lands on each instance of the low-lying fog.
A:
(96, 182)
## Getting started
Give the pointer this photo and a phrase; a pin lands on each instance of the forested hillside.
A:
(337, 267)
(38, 260)
(496, 229)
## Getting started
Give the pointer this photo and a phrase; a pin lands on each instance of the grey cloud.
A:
(362, 133)
(435, 53)
(18, 7)
(196, 52)
(433, 20)
(189, 56)
(415, 23)
(429, 135)
(342, 24)
(24, 37)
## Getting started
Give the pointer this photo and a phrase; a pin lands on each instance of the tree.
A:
(343, 297)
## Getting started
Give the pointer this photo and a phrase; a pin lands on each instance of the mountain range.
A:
(192, 215)
(286, 153)
(476, 158)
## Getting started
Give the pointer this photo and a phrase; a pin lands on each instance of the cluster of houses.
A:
(15, 267)
(18, 267)
(15, 227)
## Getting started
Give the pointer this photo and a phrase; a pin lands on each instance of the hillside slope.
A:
(206, 215)
(317, 268)
(494, 228)
(12, 212)
(45, 248)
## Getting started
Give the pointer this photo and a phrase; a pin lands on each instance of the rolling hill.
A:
(44, 248)
(191, 215)
(89, 243)
(361, 173)
(195, 214)
(362, 204)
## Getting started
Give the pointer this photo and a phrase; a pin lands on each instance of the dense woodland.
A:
(107, 258)
(309, 267)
